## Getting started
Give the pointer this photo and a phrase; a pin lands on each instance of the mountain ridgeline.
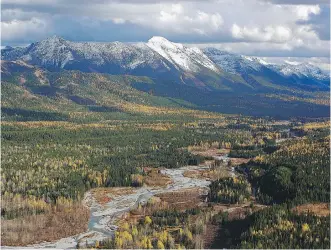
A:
(208, 79)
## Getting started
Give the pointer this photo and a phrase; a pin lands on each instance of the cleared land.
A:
(183, 199)
(319, 209)
(53, 225)
(208, 174)
(154, 178)
(105, 195)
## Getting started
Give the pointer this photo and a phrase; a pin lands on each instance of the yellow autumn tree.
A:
(146, 243)
(134, 231)
(305, 227)
(125, 226)
(160, 245)
(148, 220)
(97, 244)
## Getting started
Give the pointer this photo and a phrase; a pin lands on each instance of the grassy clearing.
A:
(238, 161)
(154, 177)
(208, 174)
(319, 209)
(59, 222)
(208, 152)
(183, 199)
(105, 195)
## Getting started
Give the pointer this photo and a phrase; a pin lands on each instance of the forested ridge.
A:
(279, 227)
(296, 173)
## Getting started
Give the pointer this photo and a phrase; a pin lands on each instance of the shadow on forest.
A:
(229, 232)
(32, 115)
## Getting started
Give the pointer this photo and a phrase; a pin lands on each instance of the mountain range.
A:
(208, 78)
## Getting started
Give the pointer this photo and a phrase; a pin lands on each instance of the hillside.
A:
(209, 69)
(28, 87)
(207, 79)
(32, 93)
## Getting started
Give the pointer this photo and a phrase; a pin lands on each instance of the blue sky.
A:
(265, 28)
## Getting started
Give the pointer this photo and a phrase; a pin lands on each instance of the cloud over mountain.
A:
(289, 26)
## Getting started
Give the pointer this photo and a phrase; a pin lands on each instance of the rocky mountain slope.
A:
(208, 69)
(207, 79)
(305, 75)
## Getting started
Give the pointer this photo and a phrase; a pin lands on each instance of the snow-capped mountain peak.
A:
(305, 69)
(262, 61)
(185, 58)
(240, 64)
(52, 51)
(233, 63)
(257, 59)
(157, 56)
(163, 42)
(158, 52)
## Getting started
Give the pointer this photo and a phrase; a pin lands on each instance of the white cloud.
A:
(167, 17)
(177, 8)
(22, 28)
(270, 49)
(118, 20)
(278, 34)
(245, 26)
(8, 15)
(304, 11)
(174, 17)
(216, 21)
(295, 2)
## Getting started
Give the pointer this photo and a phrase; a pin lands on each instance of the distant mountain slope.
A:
(29, 92)
(143, 59)
(56, 53)
(233, 63)
(210, 69)
(158, 54)
(303, 70)
(303, 76)
(184, 58)
(207, 79)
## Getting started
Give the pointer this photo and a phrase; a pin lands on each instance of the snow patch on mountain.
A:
(303, 70)
(239, 64)
(261, 61)
(158, 55)
(233, 63)
(185, 58)
(58, 52)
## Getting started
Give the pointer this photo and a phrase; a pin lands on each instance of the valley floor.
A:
(184, 186)
(110, 207)
(104, 216)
